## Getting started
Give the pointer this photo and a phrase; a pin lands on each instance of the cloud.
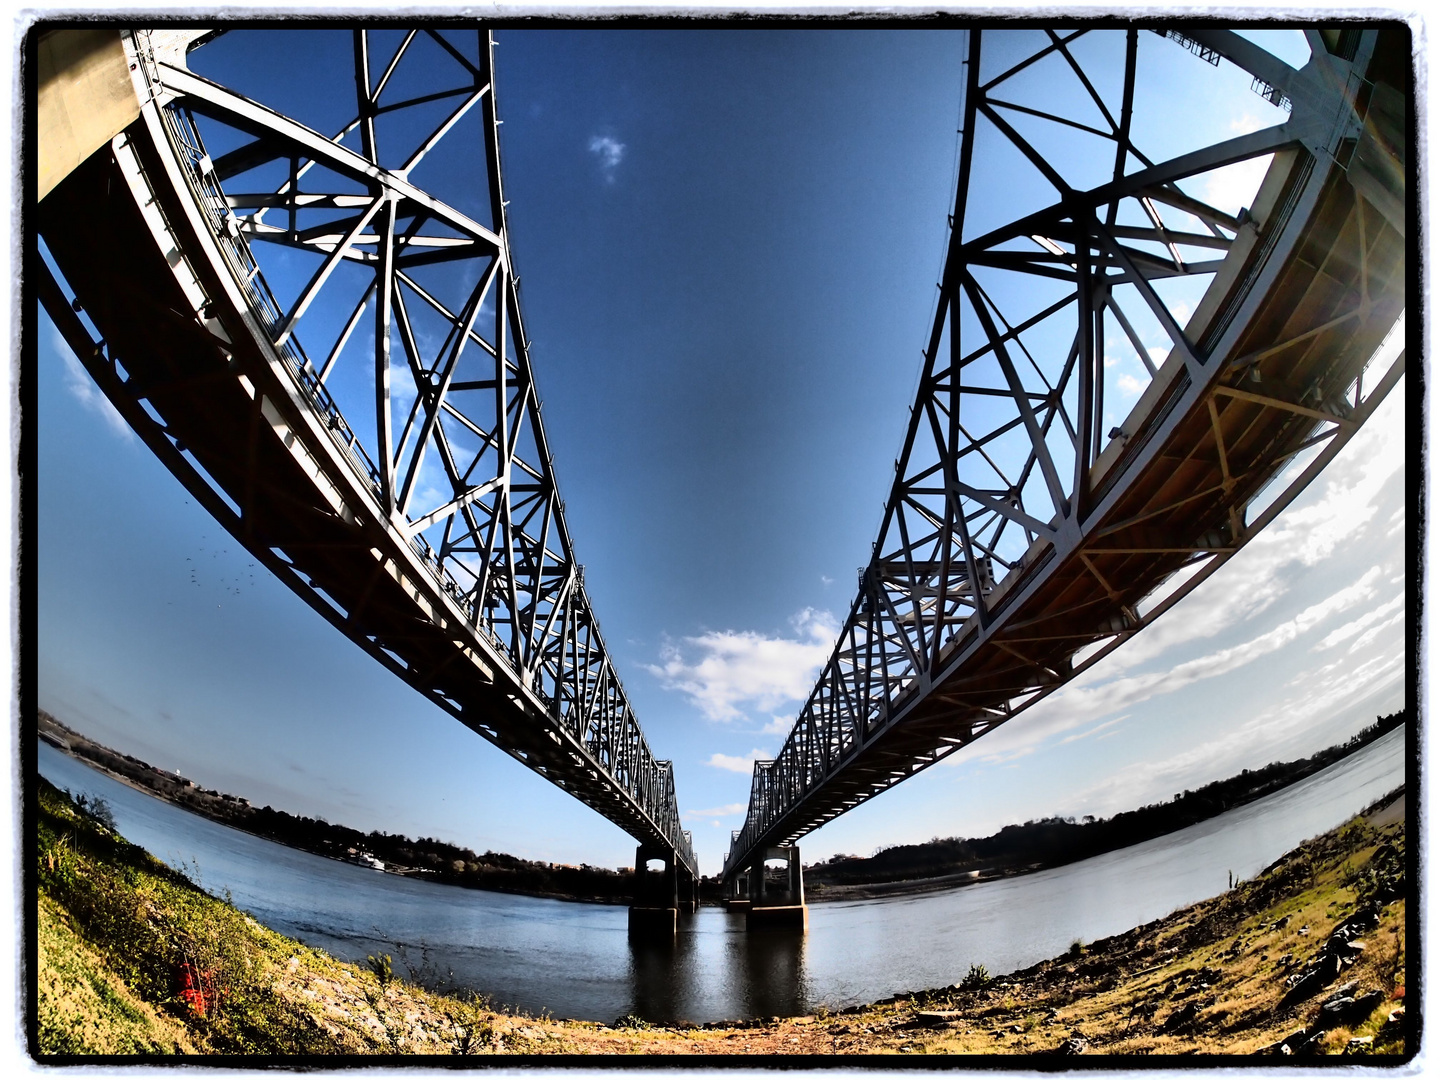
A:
(778, 725)
(1234, 186)
(744, 765)
(724, 671)
(1091, 698)
(610, 153)
(1131, 386)
(84, 390)
(1350, 629)
(728, 810)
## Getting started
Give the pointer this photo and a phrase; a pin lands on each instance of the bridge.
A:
(1022, 541)
(392, 469)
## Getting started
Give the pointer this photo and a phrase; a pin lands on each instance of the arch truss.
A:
(1125, 380)
(345, 257)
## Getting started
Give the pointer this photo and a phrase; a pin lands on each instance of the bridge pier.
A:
(739, 898)
(656, 901)
(783, 909)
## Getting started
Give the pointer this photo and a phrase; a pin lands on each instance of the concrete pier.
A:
(660, 898)
(782, 909)
(780, 917)
(653, 921)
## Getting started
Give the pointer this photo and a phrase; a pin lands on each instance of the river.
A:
(575, 960)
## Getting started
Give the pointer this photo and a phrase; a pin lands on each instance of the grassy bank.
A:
(134, 959)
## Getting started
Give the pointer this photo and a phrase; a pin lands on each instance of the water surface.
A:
(575, 960)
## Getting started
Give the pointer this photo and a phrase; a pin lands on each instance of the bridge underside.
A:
(1270, 369)
(147, 296)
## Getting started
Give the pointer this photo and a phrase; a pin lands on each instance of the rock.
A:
(1180, 1017)
(1288, 1045)
(1310, 1045)
(1074, 1046)
(1359, 1042)
(1344, 991)
(1342, 1009)
(1333, 1013)
(938, 1017)
(1396, 1017)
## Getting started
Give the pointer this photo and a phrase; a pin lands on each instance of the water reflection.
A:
(663, 972)
(575, 960)
(773, 966)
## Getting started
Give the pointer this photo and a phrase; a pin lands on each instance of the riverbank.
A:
(134, 959)
(426, 858)
(1047, 843)
(935, 866)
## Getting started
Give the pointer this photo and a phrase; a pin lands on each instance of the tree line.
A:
(1055, 840)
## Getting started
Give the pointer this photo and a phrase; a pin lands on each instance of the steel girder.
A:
(1023, 541)
(427, 523)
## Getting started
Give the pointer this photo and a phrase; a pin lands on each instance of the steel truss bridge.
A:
(368, 425)
(1023, 540)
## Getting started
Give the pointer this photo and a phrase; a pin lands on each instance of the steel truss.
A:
(415, 364)
(1024, 538)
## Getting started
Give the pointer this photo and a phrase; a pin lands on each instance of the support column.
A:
(687, 893)
(653, 910)
(739, 899)
(785, 910)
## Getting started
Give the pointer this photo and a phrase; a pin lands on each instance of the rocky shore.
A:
(1308, 958)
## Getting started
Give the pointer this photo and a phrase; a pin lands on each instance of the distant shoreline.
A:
(1042, 845)
(905, 870)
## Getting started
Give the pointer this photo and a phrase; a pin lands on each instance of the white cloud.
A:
(1087, 701)
(728, 810)
(79, 383)
(745, 764)
(1246, 123)
(724, 671)
(1131, 386)
(610, 153)
(778, 725)
(1350, 629)
(1349, 493)
(1094, 730)
(1234, 186)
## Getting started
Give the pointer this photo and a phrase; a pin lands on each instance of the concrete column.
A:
(652, 914)
(790, 912)
(796, 877)
(739, 893)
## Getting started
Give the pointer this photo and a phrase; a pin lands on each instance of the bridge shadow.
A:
(664, 973)
(771, 964)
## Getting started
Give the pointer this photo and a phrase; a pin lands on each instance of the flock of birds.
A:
(227, 584)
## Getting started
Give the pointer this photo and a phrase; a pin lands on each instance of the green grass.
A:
(117, 928)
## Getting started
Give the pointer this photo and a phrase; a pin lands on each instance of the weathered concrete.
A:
(652, 921)
(782, 909)
(85, 98)
(779, 917)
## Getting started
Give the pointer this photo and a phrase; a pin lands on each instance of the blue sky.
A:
(728, 244)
